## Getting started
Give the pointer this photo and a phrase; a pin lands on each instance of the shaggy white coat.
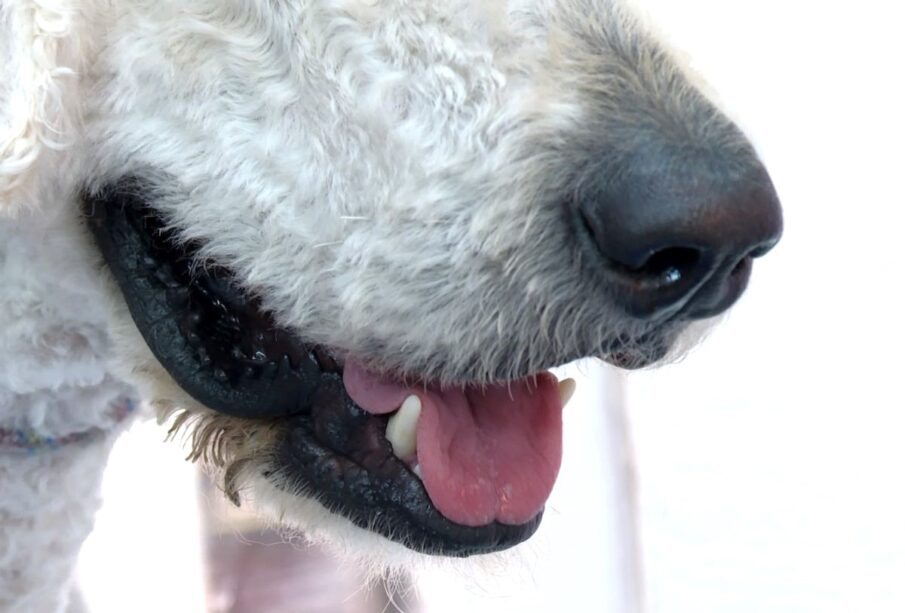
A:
(387, 176)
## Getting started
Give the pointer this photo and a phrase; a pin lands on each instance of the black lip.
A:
(215, 343)
(207, 335)
(339, 451)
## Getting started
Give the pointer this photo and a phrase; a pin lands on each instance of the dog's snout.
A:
(681, 240)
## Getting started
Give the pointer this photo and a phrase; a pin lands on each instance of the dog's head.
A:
(349, 238)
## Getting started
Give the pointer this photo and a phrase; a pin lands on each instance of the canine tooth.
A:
(416, 468)
(566, 389)
(401, 427)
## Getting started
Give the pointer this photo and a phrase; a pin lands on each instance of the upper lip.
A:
(331, 448)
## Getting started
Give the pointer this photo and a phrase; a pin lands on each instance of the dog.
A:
(339, 243)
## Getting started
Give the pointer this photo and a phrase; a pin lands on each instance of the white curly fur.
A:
(55, 381)
(385, 175)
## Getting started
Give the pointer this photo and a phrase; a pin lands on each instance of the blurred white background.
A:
(770, 462)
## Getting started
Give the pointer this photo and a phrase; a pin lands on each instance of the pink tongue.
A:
(486, 454)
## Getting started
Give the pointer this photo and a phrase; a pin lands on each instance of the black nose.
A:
(681, 237)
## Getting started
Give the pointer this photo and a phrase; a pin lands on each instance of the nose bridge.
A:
(725, 215)
(686, 201)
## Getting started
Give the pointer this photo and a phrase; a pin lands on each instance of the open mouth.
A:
(443, 470)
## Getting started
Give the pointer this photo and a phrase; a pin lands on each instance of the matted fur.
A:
(387, 177)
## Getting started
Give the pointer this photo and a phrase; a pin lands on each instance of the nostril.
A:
(667, 266)
(658, 268)
(662, 280)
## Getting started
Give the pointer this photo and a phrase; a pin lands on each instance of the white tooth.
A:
(566, 389)
(417, 470)
(401, 428)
